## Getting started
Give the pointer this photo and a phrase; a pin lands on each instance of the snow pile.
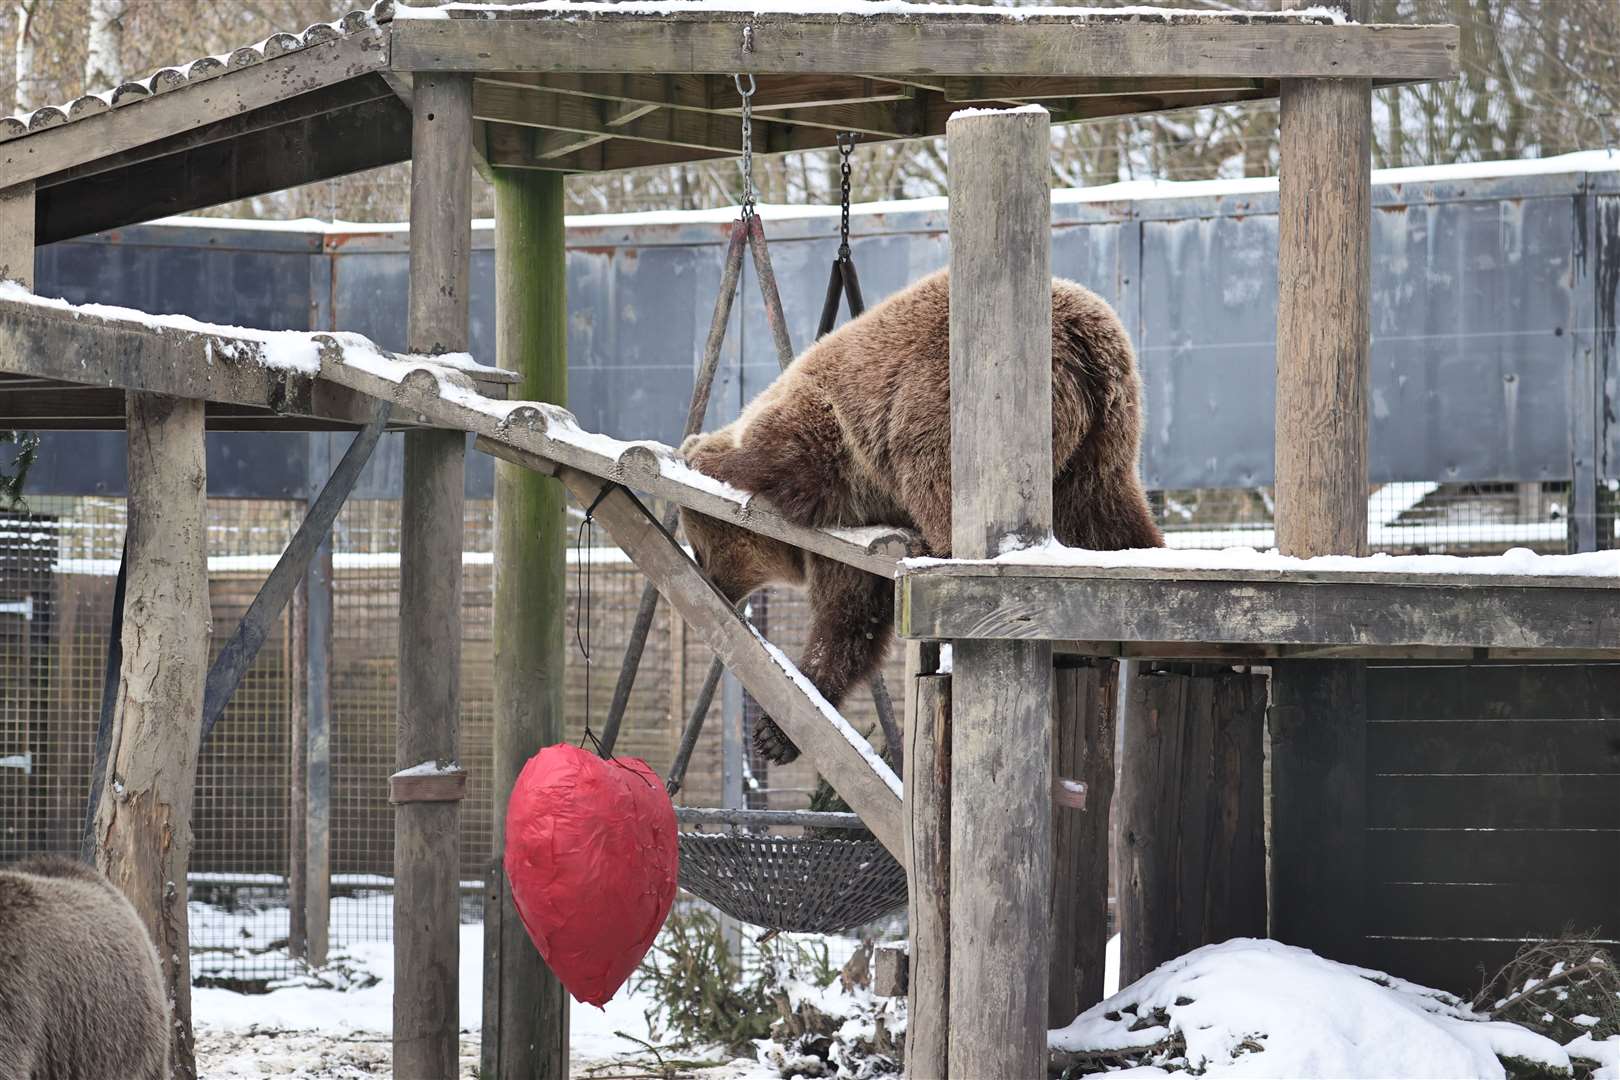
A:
(1605, 1052)
(838, 1030)
(1263, 1009)
(866, 8)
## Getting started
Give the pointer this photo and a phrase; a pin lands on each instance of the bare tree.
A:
(104, 60)
(27, 78)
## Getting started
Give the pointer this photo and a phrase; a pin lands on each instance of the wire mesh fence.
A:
(58, 568)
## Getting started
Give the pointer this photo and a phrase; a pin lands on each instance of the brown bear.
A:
(81, 993)
(857, 431)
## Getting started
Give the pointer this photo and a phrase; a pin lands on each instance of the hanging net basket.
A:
(800, 884)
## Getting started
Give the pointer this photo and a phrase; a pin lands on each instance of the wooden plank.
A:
(1471, 611)
(928, 851)
(525, 1008)
(1497, 910)
(1001, 692)
(1495, 746)
(192, 105)
(1584, 858)
(926, 46)
(1320, 805)
(365, 136)
(1180, 650)
(849, 764)
(1025, 88)
(447, 786)
(515, 147)
(143, 823)
(1398, 693)
(1191, 845)
(1083, 697)
(427, 899)
(875, 550)
(17, 234)
(713, 93)
(1584, 801)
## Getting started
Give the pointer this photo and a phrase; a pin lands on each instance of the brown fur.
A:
(81, 993)
(857, 431)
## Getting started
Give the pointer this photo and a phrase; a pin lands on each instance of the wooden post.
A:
(318, 795)
(143, 825)
(928, 852)
(17, 234)
(1318, 739)
(525, 1008)
(298, 769)
(1191, 844)
(1084, 751)
(427, 849)
(1001, 692)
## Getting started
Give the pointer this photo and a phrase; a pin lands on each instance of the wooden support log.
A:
(1318, 719)
(427, 849)
(1084, 753)
(298, 769)
(525, 1008)
(143, 824)
(318, 806)
(838, 752)
(890, 971)
(17, 234)
(1001, 693)
(928, 861)
(1191, 850)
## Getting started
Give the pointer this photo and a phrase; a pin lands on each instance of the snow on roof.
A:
(1583, 161)
(869, 8)
(206, 67)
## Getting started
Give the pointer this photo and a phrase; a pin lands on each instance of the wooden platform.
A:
(1252, 614)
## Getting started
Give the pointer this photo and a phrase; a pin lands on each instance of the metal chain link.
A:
(747, 143)
(846, 146)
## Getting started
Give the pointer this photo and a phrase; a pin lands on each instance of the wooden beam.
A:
(499, 103)
(320, 586)
(929, 46)
(1001, 691)
(297, 658)
(1083, 701)
(928, 859)
(368, 135)
(712, 93)
(513, 147)
(1191, 842)
(143, 824)
(526, 1011)
(1349, 611)
(1026, 88)
(837, 751)
(1259, 653)
(427, 848)
(17, 234)
(191, 106)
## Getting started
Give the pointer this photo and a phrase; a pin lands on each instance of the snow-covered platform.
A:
(1243, 604)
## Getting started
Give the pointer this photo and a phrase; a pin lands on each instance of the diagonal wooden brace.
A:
(839, 753)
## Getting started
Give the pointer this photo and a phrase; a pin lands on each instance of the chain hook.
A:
(846, 147)
(747, 95)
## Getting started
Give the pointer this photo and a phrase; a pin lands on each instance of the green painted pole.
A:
(525, 1008)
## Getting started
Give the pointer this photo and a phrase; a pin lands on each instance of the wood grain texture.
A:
(1083, 699)
(1001, 692)
(525, 1008)
(318, 692)
(1324, 242)
(17, 233)
(927, 839)
(1319, 805)
(426, 835)
(855, 776)
(1191, 802)
(710, 42)
(1372, 613)
(143, 825)
(433, 787)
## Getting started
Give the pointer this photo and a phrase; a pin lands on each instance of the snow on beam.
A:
(98, 345)
(900, 40)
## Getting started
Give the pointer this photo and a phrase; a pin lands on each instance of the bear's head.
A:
(738, 561)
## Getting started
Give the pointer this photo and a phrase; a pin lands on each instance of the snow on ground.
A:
(334, 1032)
(1262, 1009)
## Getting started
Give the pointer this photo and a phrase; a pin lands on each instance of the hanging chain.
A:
(747, 143)
(846, 146)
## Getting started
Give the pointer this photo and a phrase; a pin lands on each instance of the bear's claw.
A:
(772, 744)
